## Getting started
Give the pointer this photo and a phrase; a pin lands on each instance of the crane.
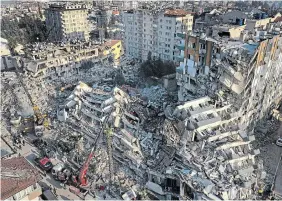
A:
(81, 179)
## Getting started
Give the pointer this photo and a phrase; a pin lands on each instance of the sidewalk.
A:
(30, 152)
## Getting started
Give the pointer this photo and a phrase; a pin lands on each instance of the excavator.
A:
(40, 120)
(277, 108)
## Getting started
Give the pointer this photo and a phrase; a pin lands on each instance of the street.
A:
(30, 152)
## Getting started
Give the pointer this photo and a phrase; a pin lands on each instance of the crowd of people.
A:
(18, 142)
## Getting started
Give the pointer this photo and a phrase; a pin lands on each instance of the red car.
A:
(44, 163)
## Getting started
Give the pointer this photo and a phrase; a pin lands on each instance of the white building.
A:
(154, 31)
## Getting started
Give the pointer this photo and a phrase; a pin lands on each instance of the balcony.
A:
(181, 46)
(180, 58)
(181, 35)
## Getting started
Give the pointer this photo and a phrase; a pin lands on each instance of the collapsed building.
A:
(235, 71)
(197, 150)
(93, 105)
(47, 60)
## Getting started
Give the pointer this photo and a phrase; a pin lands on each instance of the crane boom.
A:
(83, 171)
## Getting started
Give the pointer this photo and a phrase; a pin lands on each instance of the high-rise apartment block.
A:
(156, 32)
(67, 22)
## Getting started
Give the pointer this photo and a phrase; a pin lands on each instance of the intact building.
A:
(154, 31)
(67, 22)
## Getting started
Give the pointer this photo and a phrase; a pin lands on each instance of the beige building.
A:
(252, 24)
(57, 60)
(66, 22)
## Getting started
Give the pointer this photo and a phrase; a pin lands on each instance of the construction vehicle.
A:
(276, 109)
(79, 182)
(81, 179)
(40, 120)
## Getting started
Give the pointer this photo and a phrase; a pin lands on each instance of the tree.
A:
(119, 78)
(149, 57)
(106, 32)
(156, 68)
(25, 30)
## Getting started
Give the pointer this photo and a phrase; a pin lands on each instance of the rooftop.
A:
(16, 175)
(176, 12)
(278, 19)
(62, 7)
(110, 43)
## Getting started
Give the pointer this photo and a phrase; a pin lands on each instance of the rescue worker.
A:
(55, 191)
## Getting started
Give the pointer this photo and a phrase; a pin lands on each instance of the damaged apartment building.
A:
(47, 60)
(243, 73)
(93, 105)
(197, 150)
(65, 60)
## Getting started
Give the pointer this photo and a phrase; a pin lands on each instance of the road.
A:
(30, 152)
(278, 177)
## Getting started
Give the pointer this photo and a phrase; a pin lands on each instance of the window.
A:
(144, 30)
(203, 46)
(194, 45)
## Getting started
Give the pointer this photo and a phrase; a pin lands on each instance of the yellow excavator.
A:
(276, 111)
(40, 120)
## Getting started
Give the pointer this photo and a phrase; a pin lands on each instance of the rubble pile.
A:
(155, 95)
(201, 147)
(196, 150)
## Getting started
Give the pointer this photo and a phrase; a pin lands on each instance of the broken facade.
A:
(237, 68)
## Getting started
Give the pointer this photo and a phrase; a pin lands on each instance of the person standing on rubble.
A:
(23, 143)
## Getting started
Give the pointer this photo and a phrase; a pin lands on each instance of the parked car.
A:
(279, 142)
(44, 163)
(48, 195)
